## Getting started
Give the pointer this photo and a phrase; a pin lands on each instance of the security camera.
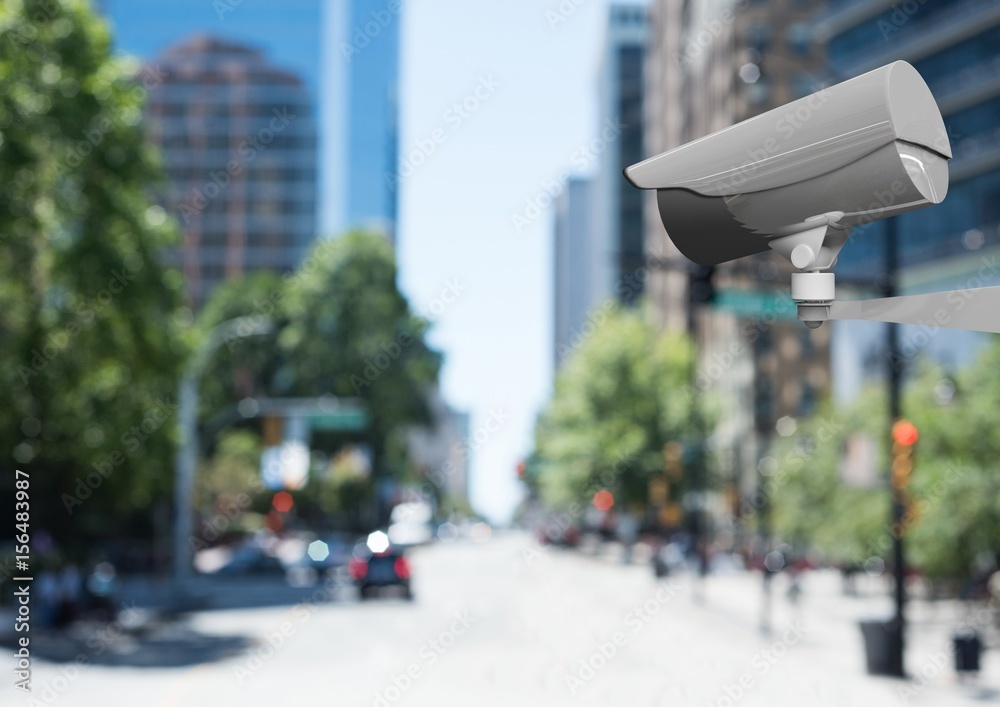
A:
(871, 147)
(796, 179)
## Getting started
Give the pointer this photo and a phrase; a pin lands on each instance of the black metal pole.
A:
(764, 426)
(764, 520)
(895, 371)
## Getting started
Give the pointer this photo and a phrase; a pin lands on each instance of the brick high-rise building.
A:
(238, 140)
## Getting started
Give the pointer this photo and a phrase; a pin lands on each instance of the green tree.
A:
(90, 349)
(618, 400)
(812, 505)
(243, 366)
(341, 327)
(351, 333)
(954, 513)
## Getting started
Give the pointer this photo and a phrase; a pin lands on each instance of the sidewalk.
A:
(834, 634)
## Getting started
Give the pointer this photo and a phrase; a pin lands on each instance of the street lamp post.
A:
(186, 458)
(895, 414)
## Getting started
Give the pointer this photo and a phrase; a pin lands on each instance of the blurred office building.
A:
(360, 105)
(345, 57)
(239, 149)
(574, 293)
(598, 254)
(954, 244)
(441, 452)
(710, 65)
(618, 217)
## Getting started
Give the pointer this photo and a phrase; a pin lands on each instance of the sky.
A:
(497, 101)
(525, 81)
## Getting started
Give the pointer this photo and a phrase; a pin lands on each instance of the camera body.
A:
(866, 149)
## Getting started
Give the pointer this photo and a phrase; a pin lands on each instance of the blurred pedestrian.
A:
(628, 533)
(48, 598)
(103, 587)
(70, 595)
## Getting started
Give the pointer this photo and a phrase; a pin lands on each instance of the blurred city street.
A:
(511, 623)
(428, 352)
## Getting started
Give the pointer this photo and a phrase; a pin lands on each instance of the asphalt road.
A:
(498, 623)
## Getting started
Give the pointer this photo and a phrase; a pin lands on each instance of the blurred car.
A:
(308, 558)
(377, 565)
(251, 560)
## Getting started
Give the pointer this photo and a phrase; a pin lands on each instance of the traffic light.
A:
(604, 500)
(273, 430)
(282, 502)
(904, 439)
(659, 490)
(673, 460)
(521, 468)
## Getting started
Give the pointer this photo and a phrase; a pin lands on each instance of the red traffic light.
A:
(282, 502)
(603, 500)
(521, 468)
(904, 433)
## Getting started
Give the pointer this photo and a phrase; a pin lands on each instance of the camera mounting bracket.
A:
(813, 246)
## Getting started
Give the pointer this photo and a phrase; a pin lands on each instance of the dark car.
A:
(377, 566)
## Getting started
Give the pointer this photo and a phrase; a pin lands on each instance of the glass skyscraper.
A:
(360, 102)
(618, 207)
(347, 55)
(952, 43)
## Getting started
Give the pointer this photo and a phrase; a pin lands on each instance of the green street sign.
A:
(342, 420)
(767, 305)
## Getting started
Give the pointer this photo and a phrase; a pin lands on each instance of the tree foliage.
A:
(954, 515)
(89, 349)
(340, 327)
(624, 394)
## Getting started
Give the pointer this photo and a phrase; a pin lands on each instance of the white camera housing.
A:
(797, 178)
